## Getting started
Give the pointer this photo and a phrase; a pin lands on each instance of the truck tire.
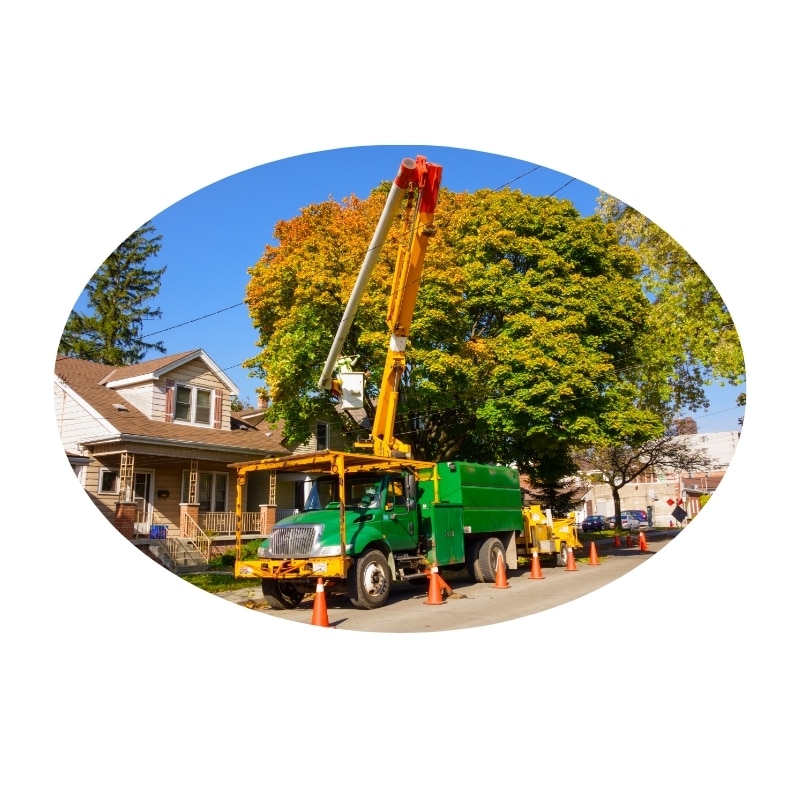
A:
(488, 553)
(561, 557)
(369, 580)
(281, 595)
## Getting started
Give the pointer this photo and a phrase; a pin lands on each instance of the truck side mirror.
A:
(410, 486)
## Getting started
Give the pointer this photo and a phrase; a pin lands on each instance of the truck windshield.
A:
(360, 493)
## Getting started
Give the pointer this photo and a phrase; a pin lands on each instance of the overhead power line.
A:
(190, 321)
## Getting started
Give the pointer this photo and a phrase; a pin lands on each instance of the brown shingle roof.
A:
(87, 379)
(144, 367)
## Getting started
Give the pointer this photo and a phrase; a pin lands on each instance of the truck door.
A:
(399, 523)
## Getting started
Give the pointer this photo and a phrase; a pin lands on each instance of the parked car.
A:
(593, 523)
(628, 521)
(640, 515)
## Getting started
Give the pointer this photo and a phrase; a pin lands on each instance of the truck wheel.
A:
(489, 552)
(281, 595)
(369, 580)
(561, 557)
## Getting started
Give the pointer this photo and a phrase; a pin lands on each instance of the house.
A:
(151, 443)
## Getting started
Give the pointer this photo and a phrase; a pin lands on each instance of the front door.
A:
(143, 497)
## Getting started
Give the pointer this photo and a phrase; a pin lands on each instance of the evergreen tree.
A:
(117, 298)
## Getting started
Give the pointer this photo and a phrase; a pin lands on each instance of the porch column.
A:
(125, 518)
(269, 516)
(191, 510)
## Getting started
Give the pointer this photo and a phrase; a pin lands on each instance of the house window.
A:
(322, 436)
(109, 481)
(212, 490)
(193, 404)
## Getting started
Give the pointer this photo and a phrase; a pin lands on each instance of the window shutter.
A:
(169, 401)
(217, 409)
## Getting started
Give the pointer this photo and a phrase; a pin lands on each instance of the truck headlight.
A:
(330, 551)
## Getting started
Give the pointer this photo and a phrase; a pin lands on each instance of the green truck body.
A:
(475, 500)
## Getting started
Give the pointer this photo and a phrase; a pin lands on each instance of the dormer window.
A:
(193, 404)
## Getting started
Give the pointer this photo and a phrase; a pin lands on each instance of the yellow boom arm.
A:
(418, 228)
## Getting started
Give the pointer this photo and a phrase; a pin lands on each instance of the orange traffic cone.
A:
(642, 542)
(435, 587)
(593, 560)
(629, 543)
(616, 540)
(536, 568)
(319, 616)
(500, 581)
(571, 561)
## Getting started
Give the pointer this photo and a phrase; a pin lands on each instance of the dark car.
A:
(593, 523)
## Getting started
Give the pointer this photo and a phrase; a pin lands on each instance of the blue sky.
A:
(211, 237)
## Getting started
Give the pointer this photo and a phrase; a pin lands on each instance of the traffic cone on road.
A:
(319, 615)
(500, 581)
(536, 568)
(642, 542)
(571, 561)
(593, 560)
(616, 540)
(629, 542)
(436, 587)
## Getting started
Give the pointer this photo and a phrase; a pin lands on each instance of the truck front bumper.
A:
(287, 569)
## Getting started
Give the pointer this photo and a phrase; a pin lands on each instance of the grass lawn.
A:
(221, 581)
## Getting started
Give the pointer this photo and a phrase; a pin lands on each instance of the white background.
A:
(120, 680)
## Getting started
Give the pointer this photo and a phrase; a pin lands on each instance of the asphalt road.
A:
(470, 604)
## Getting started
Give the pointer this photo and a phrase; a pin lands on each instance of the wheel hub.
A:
(374, 580)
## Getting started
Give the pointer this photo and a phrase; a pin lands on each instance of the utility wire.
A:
(190, 321)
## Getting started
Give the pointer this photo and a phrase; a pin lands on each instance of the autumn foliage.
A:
(525, 313)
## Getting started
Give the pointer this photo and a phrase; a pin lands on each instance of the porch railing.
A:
(190, 530)
(216, 522)
(224, 522)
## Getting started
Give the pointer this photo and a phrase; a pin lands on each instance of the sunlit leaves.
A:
(526, 315)
(689, 340)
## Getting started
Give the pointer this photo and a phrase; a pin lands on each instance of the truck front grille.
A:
(292, 540)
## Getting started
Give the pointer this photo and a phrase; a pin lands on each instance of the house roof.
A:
(92, 383)
(156, 367)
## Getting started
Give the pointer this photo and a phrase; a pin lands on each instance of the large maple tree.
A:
(526, 320)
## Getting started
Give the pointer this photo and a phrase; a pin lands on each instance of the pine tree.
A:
(117, 297)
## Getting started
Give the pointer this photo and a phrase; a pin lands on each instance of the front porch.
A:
(199, 537)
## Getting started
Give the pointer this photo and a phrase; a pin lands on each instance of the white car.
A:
(629, 522)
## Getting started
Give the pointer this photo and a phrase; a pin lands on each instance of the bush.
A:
(250, 550)
(228, 558)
